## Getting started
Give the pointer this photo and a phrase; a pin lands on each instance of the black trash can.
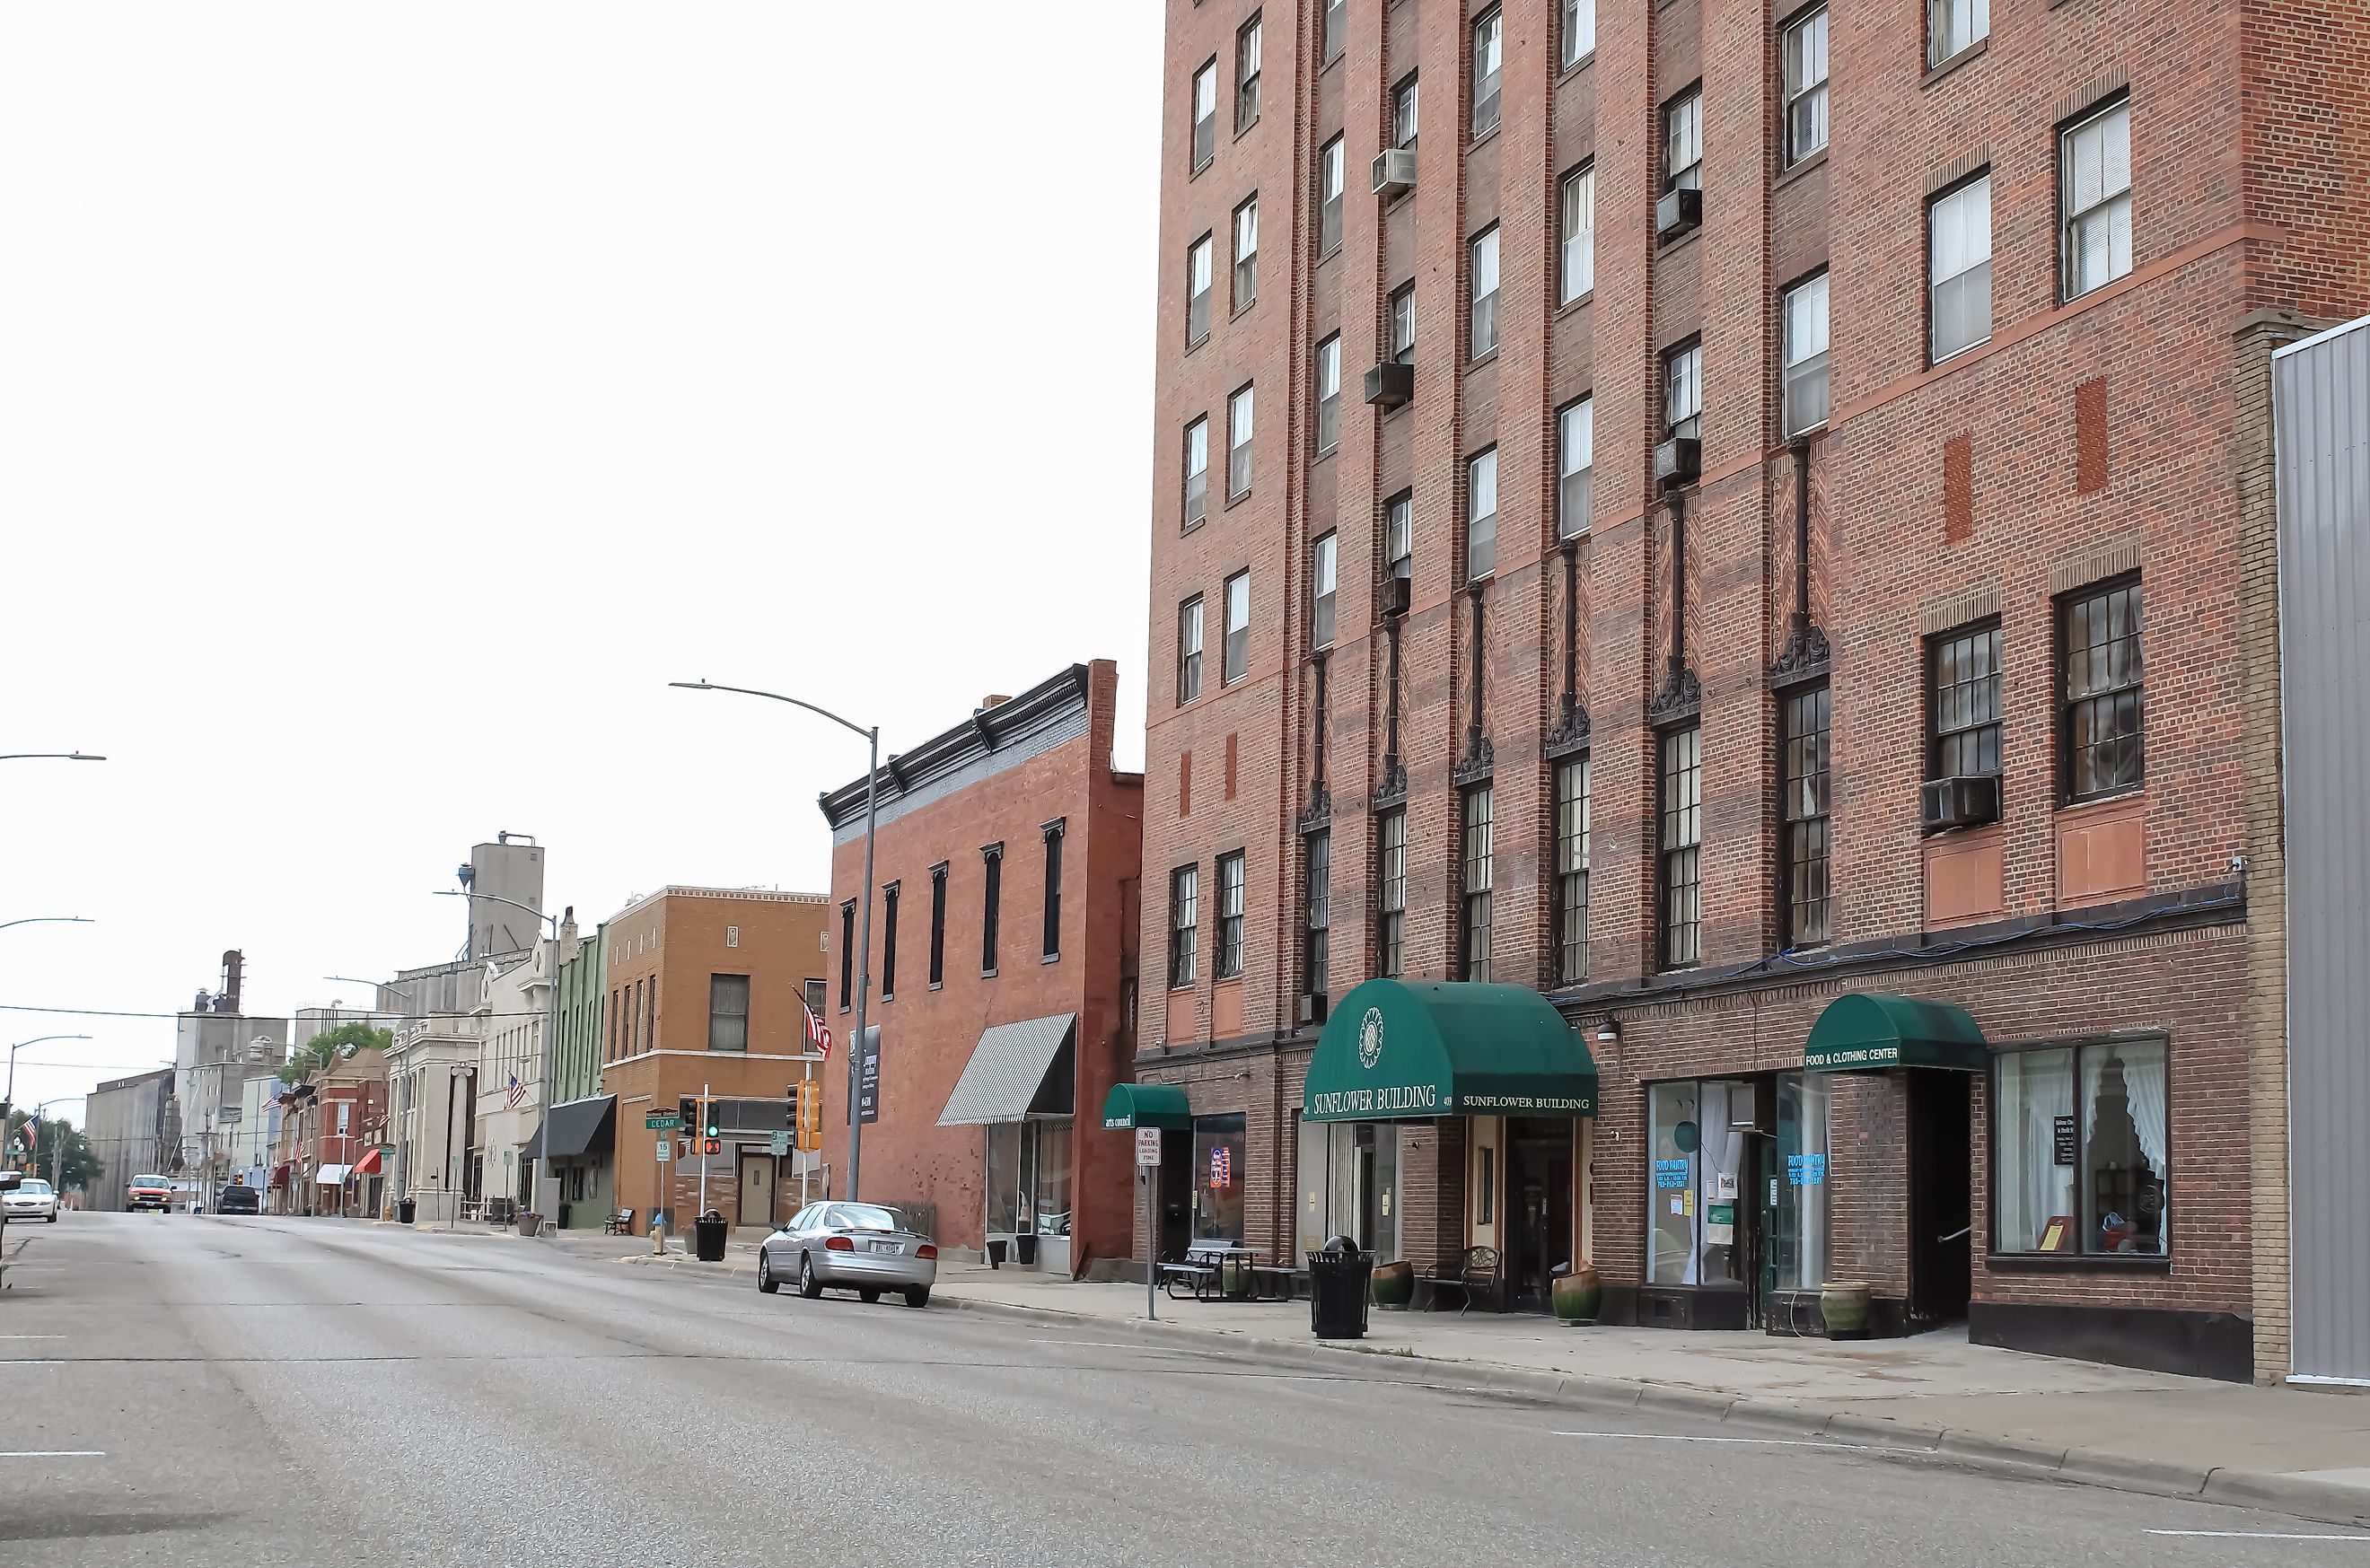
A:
(406, 1210)
(1338, 1274)
(707, 1235)
(1024, 1249)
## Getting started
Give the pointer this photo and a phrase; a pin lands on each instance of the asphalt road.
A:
(207, 1390)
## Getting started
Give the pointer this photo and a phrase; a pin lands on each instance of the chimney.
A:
(233, 965)
(995, 700)
(567, 923)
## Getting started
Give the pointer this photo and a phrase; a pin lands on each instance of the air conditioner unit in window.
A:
(1312, 1008)
(1390, 384)
(1959, 802)
(1678, 460)
(1394, 172)
(1677, 211)
(1399, 592)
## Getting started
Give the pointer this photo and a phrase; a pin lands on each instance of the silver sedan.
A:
(852, 1246)
(33, 1200)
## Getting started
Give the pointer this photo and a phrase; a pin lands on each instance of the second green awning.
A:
(1147, 1105)
(1399, 1049)
(1866, 1033)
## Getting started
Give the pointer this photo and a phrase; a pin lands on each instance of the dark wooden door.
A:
(1941, 1203)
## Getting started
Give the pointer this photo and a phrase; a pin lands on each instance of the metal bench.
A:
(619, 1224)
(1476, 1272)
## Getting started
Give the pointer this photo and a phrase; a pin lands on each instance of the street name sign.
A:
(662, 1121)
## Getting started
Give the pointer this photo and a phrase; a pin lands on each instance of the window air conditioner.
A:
(1959, 802)
(1394, 172)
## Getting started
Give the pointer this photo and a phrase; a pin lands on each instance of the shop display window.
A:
(1349, 1186)
(2081, 1149)
(1218, 1175)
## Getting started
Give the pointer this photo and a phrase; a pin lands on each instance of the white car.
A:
(31, 1200)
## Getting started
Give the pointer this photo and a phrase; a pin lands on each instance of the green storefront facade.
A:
(586, 1187)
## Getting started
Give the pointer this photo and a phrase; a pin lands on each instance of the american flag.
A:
(517, 1090)
(31, 1129)
(817, 1035)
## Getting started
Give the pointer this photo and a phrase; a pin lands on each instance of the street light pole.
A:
(864, 943)
(8, 1095)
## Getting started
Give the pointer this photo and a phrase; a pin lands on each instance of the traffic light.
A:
(809, 1115)
(713, 1147)
(710, 1130)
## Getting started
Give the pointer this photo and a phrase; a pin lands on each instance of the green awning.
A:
(1396, 1050)
(1147, 1105)
(1861, 1033)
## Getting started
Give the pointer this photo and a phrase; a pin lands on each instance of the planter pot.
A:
(1578, 1297)
(529, 1222)
(1024, 1250)
(1843, 1304)
(1394, 1284)
(995, 1246)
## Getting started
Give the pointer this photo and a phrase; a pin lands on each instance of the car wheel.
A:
(53, 1219)
(765, 1280)
(809, 1286)
(919, 1297)
(867, 1296)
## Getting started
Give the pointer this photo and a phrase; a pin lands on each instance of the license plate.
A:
(887, 1247)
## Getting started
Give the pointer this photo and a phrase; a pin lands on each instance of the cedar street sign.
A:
(662, 1121)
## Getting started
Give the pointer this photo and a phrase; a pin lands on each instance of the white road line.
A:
(58, 1454)
(1760, 1442)
(1101, 1344)
(13, 1361)
(2222, 1535)
(31, 1336)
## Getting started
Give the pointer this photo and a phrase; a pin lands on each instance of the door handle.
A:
(1954, 1236)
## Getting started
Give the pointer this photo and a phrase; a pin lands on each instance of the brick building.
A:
(1805, 538)
(1008, 856)
(333, 1127)
(703, 992)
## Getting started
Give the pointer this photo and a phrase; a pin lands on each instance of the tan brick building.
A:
(1805, 535)
(705, 991)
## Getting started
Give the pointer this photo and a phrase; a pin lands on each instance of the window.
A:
(1328, 394)
(1184, 913)
(887, 941)
(1205, 115)
(1486, 44)
(817, 998)
(1806, 85)
(2101, 639)
(1390, 901)
(1320, 584)
(1579, 30)
(1798, 1240)
(1218, 1178)
(1959, 238)
(1807, 845)
(1571, 911)
(1054, 834)
(939, 924)
(1683, 391)
(1481, 515)
(1189, 650)
(1337, 28)
(1473, 961)
(1197, 290)
(2093, 182)
(1328, 198)
(1318, 903)
(1965, 677)
(1575, 467)
(1239, 444)
(1246, 254)
(1579, 232)
(728, 1012)
(991, 907)
(1238, 629)
(1404, 100)
(1403, 324)
(1485, 292)
(1247, 76)
(2080, 1149)
(1701, 1168)
(1806, 356)
(1398, 534)
(1682, 838)
(1682, 141)
(1197, 471)
(1350, 1187)
(846, 954)
(345, 1117)
(1228, 963)
(1955, 24)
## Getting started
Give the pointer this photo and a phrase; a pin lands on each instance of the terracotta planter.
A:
(1843, 1304)
(1394, 1284)
(1578, 1297)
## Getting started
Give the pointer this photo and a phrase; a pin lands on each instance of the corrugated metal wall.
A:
(2321, 391)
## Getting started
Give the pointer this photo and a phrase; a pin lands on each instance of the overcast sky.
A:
(393, 399)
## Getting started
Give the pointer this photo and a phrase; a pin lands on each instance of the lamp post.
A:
(49, 757)
(8, 1095)
(551, 1017)
(864, 943)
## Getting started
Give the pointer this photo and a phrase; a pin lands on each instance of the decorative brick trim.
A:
(1959, 610)
(2095, 564)
(2095, 90)
(1958, 168)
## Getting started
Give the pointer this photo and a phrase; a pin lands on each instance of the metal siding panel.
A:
(2321, 408)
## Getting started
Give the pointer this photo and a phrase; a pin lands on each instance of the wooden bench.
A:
(620, 1223)
(1477, 1271)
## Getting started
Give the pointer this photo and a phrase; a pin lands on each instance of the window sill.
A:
(1959, 353)
(1194, 526)
(1329, 254)
(1480, 137)
(1793, 172)
(1677, 242)
(2102, 804)
(938, 985)
(1585, 297)
(1243, 309)
(1576, 67)
(1193, 345)
(1050, 958)
(1247, 128)
(1233, 501)
(2053, 1263)
(1477, 360)
(1973, 52)
(1174, 989)
(988, 974)
(1193, 173)
(1325, 455)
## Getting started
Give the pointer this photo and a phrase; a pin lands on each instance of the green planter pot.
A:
(1578, 1297)
(1844, 1305)
(1394, 1284)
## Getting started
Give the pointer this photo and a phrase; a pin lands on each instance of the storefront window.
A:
(1799, 1236)
(1218, 1178)
(1677, 1139)
(1004, 1178)
(1052, 1177)
(1029, 1178)
(2081, 1157)
(1727, 1119)
(1701, 1134)
(1349, 1186)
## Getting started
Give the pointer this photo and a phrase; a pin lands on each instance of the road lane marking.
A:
(1106, 1344)
(31, 1336)
(1763, 1442)
(2221, 1535)
(57, 1454)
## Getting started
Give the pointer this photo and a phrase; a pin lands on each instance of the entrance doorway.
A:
(1940, 1202)
(756, 1189)
(1539, 1207)
(1175, 1195)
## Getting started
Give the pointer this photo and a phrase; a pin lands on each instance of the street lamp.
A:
(551, 1019)
(864, 943)
(8, 1096)
(48, 756)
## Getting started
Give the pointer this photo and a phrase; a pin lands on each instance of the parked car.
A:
(32, 1199)
(852, 1246)
(238, 1198)
(149, 1192)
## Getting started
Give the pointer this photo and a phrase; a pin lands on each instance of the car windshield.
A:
(862, 1217)
(34, 1189)
(150, 1182)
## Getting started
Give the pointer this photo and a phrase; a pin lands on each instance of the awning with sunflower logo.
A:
(1395, 1050)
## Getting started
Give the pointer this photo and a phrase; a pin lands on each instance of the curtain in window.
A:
(2040, 1085)
(2143, 1086)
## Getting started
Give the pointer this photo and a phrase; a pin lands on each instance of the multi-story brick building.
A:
(1806, 537)
(1009, 851)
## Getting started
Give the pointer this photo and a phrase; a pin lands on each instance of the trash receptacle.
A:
(1338, 1277)
(406, 1210)
(1024, 1249)
(707, 1235)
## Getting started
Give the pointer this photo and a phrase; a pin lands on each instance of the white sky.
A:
(394, 397)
